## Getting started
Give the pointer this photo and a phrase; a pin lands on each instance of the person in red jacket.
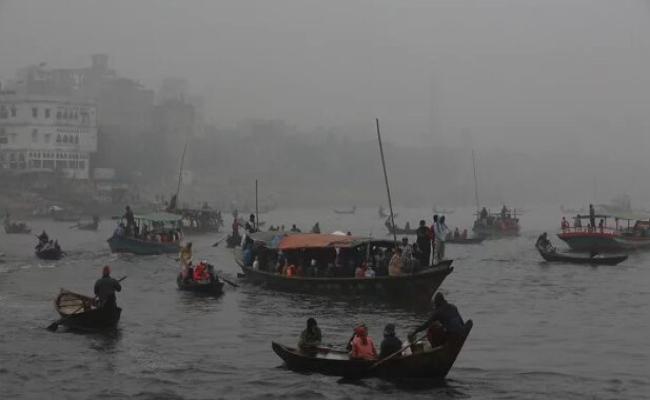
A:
(362, 346)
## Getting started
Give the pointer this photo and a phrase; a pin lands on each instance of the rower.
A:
(42, 240)
(185, 257)
(105, 289)
(445, 316)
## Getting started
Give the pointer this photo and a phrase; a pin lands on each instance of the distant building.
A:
(40, 132)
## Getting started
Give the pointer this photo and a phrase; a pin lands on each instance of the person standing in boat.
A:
(251, 226)
(130, 221)
(311, 337)
(592, 216)
(433, 239)
(391, 343)
(423, 241)
(445, 316)
(441, 236)
(185, 257)
(105, 289)
(395, 264)
(43, 239)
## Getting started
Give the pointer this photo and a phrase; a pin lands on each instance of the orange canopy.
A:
(316, 240)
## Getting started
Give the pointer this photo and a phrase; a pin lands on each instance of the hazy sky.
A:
(521, 74)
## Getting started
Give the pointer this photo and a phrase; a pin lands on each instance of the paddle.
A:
(364, 373)
(219, 241)
(55, 325)
(228, 282)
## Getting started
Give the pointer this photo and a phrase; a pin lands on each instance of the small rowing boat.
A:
(554, 256)
(78, 312)
(432, 363)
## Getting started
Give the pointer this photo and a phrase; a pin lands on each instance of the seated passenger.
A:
(291, 271)
(464, 234)
(310, 337)
(256, 263)
(370, 272)
(363, 347)
(456, 233)
(391, 343)
(201, 272)
(360, 271)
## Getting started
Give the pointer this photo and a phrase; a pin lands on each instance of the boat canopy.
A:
(163, 217)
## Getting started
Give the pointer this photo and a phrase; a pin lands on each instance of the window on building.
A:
(34, 112)
(65, 139)
(58, 138)
(34, 135)
(4, 114)
(58, 114)
(47, 113)
(47, 138)
(82, 164)
(76, 140)
(48, 164)
(13, 111)
(35, 164)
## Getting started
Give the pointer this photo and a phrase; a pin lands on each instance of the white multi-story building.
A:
(47, 133)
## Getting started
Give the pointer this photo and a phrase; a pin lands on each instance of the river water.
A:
(540, 330)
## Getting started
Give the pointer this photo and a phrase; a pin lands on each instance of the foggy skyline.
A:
(526, 76)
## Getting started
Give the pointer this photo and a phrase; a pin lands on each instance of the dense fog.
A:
(553, 95)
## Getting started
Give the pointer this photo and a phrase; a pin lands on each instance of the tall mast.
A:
(475, 182)
(383, 164)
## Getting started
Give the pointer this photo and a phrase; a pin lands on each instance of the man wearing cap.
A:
(391, 343)
(105, 289)
(445, 315)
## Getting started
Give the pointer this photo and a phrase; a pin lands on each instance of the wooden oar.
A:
(219, 241)
(365, 372)
(55, 325)
(228, 282)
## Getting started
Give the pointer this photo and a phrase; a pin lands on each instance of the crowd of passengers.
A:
(155, 233)
(336, 262)
(444, 323)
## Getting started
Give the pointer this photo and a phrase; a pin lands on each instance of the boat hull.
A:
(419, 286)
(141, 247)
(590, 241)
(432, 364)
(565, 258)
(633, 242)
(49, 254)
(77, 313)
(214, 288)
(477, 240)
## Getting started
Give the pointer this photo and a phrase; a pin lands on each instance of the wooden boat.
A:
(590, 239)
(418, 286)
(350, 211)
(472, 240)
(432, 363)
(163, 235)
(407, 230)
(214, 287)
(79, 312)
(49, 253)
(496, 225)
(197, 221)
(554, 256)
(17, 228)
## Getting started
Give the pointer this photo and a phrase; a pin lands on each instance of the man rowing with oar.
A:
(105, 289)
(444, 321)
